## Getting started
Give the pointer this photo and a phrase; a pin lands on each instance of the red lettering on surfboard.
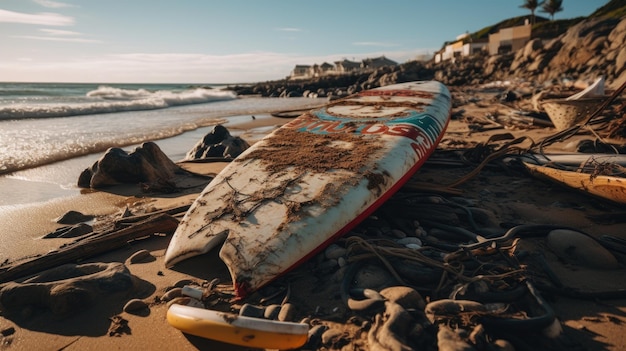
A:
(375, 129)
(420, 149)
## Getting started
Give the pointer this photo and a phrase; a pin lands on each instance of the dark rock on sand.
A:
(580, 249)
(218, 143)
(147, 164)
(73, 217)
(64, 290)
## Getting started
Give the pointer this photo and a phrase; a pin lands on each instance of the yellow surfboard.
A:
(237, 330)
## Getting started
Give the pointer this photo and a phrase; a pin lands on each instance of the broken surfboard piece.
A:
(237, 330)
(312, 180)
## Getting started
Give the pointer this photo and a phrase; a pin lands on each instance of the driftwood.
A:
(96, 244)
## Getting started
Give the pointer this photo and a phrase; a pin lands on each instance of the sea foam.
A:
(106, 99)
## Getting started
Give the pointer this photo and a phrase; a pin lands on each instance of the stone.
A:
(217, 143)
(580, 249)
(65, 290)
(135, 305)
(73, 217)
(147, 164)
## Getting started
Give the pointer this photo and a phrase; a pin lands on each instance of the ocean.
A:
(50, 132)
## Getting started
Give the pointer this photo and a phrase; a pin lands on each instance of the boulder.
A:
(147, 164)
(217, 143)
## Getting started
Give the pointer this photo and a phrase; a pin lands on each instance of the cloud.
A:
(375, 43)
(59, 32)
(47, 19)
(289, 29)
(174, 67)
(52, 4)
(66, 39)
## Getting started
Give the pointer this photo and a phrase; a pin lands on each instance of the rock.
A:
(141, 256)
(249, 310)
(287, 313)
(147, 164)
(580, 249)
(217, 143)
(73, 217)
(172, 294)
(373, 277)
(271, 312)
(335, 251)
(65, 290)
(134, 306)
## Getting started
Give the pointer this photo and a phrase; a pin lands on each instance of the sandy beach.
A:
(505, 195)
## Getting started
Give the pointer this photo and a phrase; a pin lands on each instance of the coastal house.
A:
(462, 46)
(347, 66)
(509, 39)
(373, 63)
(340, 67)
(301, 71)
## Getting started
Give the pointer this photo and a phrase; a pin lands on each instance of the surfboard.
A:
(237, 330)
(312, 180)
(610, 188)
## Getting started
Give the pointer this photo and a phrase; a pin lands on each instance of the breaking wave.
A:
(107, 99)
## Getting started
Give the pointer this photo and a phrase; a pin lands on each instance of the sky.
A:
(229, 41)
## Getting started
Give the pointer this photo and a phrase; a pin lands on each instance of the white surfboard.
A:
(312, 180)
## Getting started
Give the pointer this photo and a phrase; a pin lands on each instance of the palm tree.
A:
(532, 5)
(552, 7)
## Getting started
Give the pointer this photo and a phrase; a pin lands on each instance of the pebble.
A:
(335, 251)
(372, 277)
(272, 312)
(409, 241)
(172, 294)
(135, 305)
(397, 233)
(183, 282)
(140, 256)
(580, 249)
(249, 310)
(287, 313)
(185, 301)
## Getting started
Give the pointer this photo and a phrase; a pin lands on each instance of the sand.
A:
(511, 197)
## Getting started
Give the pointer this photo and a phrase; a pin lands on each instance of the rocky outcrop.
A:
(146, 165)
(218, 143)
(591, 48)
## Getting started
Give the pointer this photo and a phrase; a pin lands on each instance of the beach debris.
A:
(73, 231)
(217, 143)
(91, 246)
(119, 326)
(64, 290)
(73, 217)
(172, 294)
(146, 165)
